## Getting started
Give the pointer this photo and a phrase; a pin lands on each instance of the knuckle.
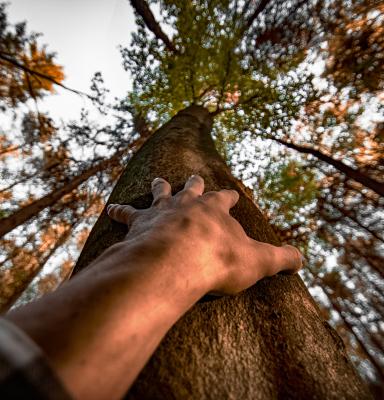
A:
(160, 200)
(185, 195)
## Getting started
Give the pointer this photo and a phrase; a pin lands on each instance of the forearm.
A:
(112, 316)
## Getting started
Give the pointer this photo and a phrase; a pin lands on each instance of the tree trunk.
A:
(14, 281)
(24, 214)
(268, 342)
(352, 173)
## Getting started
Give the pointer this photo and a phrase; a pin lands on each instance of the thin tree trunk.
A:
(142, 8)
(14, 281)
(356, 316)
(26, 213)
(350, 172)
(349, 326)
(351, 329)
(349, 215)
(268, 342)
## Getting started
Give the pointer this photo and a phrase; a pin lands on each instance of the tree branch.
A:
(259, 9)
(350, 172)
(142, 8)
(23, 67)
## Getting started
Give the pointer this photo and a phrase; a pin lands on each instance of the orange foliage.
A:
(82, 237)
(47, 283)
(96, 207)
(367, 150)
(65, 269)
(38, 60)
(18, 85)
(54, 158)
(50, 236)
(7, 195)
(356, 50)
(28, 201)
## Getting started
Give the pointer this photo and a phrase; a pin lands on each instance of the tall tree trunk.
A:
(268, 342)
(31, 210)
(352, 173)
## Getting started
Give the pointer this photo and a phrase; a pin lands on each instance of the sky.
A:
(85, 34)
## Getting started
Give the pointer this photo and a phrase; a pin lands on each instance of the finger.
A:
(225, 198)
(293, 260)
(195, 184)
(160, 189)
(275, 259)
(121, 213)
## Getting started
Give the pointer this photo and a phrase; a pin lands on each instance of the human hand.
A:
(200, 241)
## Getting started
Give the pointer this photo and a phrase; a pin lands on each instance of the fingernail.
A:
(109, 207)
(156, 179)
(192, 176)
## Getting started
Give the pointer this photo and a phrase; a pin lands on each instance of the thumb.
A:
(121, 213)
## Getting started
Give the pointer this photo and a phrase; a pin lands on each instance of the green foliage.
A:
(212, 67)
(291, 186)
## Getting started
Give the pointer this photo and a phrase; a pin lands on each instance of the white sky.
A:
(85, 34)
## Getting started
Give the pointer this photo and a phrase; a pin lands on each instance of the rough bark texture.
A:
(268, 342)
(350, 172)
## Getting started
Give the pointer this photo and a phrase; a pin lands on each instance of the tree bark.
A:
(350, 172)
(269, 342)
(24, 214)
(142, 8)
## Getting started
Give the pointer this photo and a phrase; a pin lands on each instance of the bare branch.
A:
(142, 8)
(350, 172)
(38, 74)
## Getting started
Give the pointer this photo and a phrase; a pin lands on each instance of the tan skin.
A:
(99, 329)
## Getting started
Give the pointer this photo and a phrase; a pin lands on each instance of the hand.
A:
(203, 243)
(114, 314)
